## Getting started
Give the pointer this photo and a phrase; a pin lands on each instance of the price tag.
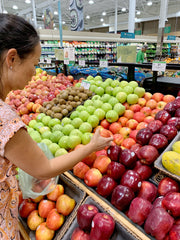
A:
(42, 60)
(82, 62)
(66, 62)
(103, 63)
(48, 60)
(85, 84)
(159, 66)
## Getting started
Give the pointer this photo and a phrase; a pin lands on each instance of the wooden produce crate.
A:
(72, 191)
(120, 232)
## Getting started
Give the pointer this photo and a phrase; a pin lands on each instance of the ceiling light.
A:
(40, 27)
(43, 16)
(138, 13)
(104, 13)
(15, 7)
(28, 1)
(102, 20)
(123, 9)
(55, 13)
(91, 1)
(63, 22)
(149, 3)
(4, 11)
(87, 17)
(55, 28)
(104, 24)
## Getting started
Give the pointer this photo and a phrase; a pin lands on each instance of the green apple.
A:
(67, 129)
(90, 109)
(38, 125)
(85, 127)
(109, 90)
(73, 141)
(76, 132)
(139, 91)
(86, 138)
(44, 129)
(98, 78)
(88, 103)
(92, 82)
(128, 90)
(106, 107)
(98, 103)
(36, 136)
(115, 83)
(57, 127)
(53, 147)
(109, 81)
(98, 83)
(104, 85)
(121, 97)
(46, 141)
(65, 121)
(45, 120)
(133, 84)
(99, 91)
(92, 87)
(119, 108)
(113, 101)
(93, 120)
(76, 122)
(40, 116)
(89, 78)
(81, 108)
(112, 116)
(32, 123)
(100, 113)
(78, 84)
(55, 136)
(105, 98)
(123, 83)
(96, 97)
(116, 90)
(53, 122)
(132, 98)
(74, 114)
(63, 142)
(29, 129)
(46, 135)
(60, 152)
(83, 116)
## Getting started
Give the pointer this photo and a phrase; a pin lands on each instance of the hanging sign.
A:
(170, 37)
(48, 18)
(127, 35)
(159, 66)
(76, 13)
(69, 55)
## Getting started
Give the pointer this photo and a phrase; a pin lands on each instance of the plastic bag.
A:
(32, 187)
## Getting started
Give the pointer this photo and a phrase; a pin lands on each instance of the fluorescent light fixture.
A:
(123, 9)
(87, 17)
(28, 1)
(104, 13)
(91, 2)
(43, 16)
(149, 3)
(15, 7)
(138, 13)
(55, 13)
(104, 24)
(102, 20)
(4, 11)
(63, 22)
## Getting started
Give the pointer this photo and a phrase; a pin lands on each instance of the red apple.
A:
(89, 160)
(79, 234)
(80, 169)
(170, 108)
(141, 125)
(54, 220)
(148, 191)
(128, 143)
(122, 121)
(147, 154)
(133, 134)
(139, 210)
(143, 136)
(163, 116)
(159, 141)
(115, 127)
(105, 133)
(174, 233)
(168, 131)
(148, 119)
(101, 163)
(131, 179)
(105, 186)
(128, 158)
(122, 197)
(168, 98)
(44, 207)
(171, 202)
(113, 152)
(115, 170)
(65, 204)
(155, 126)
(139, 116)
(157, 97)
(144, 171)
(43, 232)
(125, 131)
(26, 207)
(128, 114)
(174, 121)
(132, 123)
(85, 214)
(146, 110)
(105, 124)
(102, 227)
(126, 105)
(135, 148)
(101, 152)
(57, 191)
(92, 177)
(158, 202)
(167, 185)
(147, 96)
(154, 112)
(177, 112)
(118, 138)
(151, 104)
(142, 102)
(135, 107)
(34, 220)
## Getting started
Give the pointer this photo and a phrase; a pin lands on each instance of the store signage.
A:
(85, 84)
(76, 14)
(69, 55)
(103, 63)
(82, 62)
(66, 62)
(59, 54)
(170, 37)
(159, 66)
(48, 60)
(127, 35)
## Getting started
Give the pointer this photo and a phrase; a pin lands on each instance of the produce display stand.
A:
(127, 224)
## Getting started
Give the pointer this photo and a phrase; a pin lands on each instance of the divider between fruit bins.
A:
(158, 163)
(119, 216)
(119, 232)
(72, 191)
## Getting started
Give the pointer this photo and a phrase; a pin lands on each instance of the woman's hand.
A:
(98, 142)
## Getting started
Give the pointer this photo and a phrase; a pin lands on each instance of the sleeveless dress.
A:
(10, 123)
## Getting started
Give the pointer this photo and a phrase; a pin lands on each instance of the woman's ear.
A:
(11, 57)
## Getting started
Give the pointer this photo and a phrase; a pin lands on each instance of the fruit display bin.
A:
(119, 233)
(135, 229)
(71, 190)
(158, 162)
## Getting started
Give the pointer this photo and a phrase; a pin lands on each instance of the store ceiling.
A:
(94, 11)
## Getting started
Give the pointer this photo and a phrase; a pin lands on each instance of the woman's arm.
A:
(23, 152)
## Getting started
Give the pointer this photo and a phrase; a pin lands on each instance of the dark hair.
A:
(16, 32)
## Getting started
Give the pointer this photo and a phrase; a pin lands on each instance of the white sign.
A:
(66, 62)
(82, 62)
(103, 63)
(159, 66)
(48, 60)
(85, 84)
(69, 54)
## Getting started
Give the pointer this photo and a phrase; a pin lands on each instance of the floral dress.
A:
(10, 123)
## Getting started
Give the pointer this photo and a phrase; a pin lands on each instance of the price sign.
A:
(82, 62)
(48, 60)
(103, 63)
(85, 84)
(66, 62)
(159, 66)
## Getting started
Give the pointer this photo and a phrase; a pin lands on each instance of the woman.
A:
(20, 51)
